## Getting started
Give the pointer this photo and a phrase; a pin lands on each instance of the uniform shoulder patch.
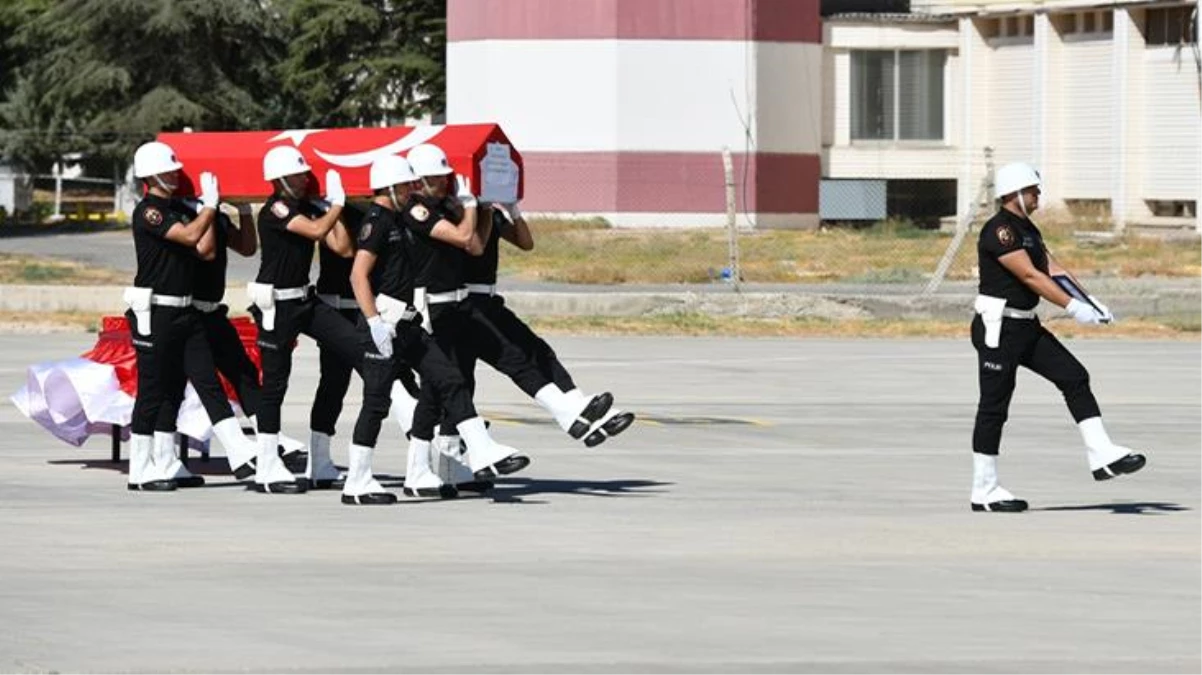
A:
(1005, 235)
(153, 216)
(280, 209)
(365, 231)
(420, 213)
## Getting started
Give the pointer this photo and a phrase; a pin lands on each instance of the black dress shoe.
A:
(1004, 506)
(152, 486)
(296, 462)
(296, 487)
(189, 481)
(245, 471)
(371, 498)
(512, 464)
(326, 483)
(1128, 464)
(612, 427)
(443, 491)
(592, 412)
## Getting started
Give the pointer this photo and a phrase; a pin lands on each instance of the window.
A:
(1170, 26)
(897, 95)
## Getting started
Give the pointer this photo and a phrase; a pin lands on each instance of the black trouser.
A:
(176, 351)
(333, 383)
(1025, 343)
(457, 331)
(441, 383)
(293, 318)
(232, 361)
(506, 343)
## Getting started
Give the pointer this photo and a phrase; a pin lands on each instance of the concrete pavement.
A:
(785, 505)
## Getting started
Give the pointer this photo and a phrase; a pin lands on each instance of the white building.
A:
(1104, 98)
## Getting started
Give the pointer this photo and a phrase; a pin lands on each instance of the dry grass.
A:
(49, 322)
(25, 269)
(590, 253)
(706, 325)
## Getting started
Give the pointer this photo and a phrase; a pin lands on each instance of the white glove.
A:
(209, 196)
(1082, 312)
(1107, 315)
(334, 192)
(465, 192)
(381, 334)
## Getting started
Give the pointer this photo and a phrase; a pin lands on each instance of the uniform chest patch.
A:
(420, 213)
(1005, 235)
(280, 210)
(365, 233)
(153, 216)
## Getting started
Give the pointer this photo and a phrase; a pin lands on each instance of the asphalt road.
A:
(781, 506)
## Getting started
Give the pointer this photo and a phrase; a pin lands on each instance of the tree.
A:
(363, 62)
(110, 75)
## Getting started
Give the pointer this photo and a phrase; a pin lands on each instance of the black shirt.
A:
(210, 274)
(482, 269)
(437, 265)
(287, 256)
(1005, 233)
(383, 235)
(334, 277)
(165, 266)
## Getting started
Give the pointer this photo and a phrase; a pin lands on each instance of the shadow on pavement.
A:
(1129, 508)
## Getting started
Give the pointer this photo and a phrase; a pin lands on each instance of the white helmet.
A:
(1014, 177)
(429, 160)
(153, 158)
(283, 160)
(391, 170)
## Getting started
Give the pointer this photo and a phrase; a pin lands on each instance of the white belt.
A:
(1012, 313)
(482, 289)
(171, 300)
(447, 296)
(206, 306)
(298, 293)
(337, 301)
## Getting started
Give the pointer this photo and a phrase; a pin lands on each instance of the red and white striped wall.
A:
(621, 108)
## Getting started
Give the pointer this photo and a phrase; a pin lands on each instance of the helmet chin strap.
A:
(288, 188)
(396, 203)
(1022, 203)
(162, 185)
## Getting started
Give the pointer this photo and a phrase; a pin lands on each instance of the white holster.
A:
(263, 297)
(991, 310)
(138, 300)
(420, 305)
(392, 310)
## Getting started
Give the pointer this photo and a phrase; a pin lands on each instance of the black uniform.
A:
(438, 268)
(228, 350)
(393, 275)
(334, 281)
(1023, 342)
(286, 259)
(176, 348)
(501, 339)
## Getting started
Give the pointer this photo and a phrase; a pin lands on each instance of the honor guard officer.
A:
(1016, 271)
(387, 268)
(335, 256)
(283, 303)
(207, 294)
(506, 343)
(440, 227)
(167, 333)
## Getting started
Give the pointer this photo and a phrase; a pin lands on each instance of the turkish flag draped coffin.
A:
(75, 398)
(480, 152)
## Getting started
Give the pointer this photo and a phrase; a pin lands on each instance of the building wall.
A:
(1105, 117)
(622, 108)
